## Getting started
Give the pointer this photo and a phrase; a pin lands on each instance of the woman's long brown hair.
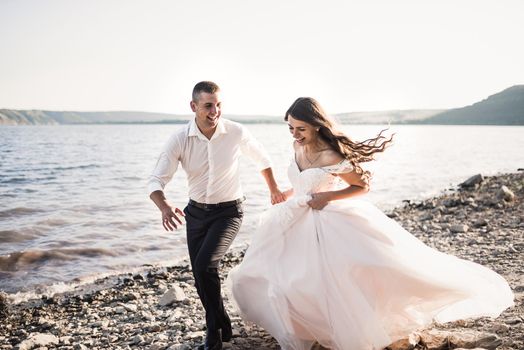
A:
(308, 110)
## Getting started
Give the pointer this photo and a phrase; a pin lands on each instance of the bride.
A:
(328, 268)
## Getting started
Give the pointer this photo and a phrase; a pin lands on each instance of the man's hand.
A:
(277, 196)
(170, 218)
(318, 200)
(288, 193)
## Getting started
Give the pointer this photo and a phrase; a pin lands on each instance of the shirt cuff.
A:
(153, 186)
(264, 164)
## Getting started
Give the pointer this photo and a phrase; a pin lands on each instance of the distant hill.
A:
(381, 117)
(38, 117)
(14, 117)
(503, 108)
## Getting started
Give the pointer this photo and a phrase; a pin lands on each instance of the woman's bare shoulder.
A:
(331, 157)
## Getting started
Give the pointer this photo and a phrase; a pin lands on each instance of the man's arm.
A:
(163, 172)
(254, 150)
(276, 195)
(169, 216)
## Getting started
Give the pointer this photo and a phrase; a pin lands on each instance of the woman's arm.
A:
(358, 185)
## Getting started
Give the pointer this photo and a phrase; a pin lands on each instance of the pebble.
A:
(459, 228)
(506, 194)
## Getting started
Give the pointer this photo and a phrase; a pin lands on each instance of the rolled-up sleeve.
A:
(250, 147)
(166, 165)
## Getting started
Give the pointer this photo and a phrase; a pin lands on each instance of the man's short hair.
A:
(204, 86)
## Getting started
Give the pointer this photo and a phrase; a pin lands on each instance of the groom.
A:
(208, 148)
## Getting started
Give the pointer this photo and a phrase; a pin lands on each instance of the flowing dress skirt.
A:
(349, 277)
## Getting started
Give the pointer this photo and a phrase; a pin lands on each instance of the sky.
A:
(368, 55)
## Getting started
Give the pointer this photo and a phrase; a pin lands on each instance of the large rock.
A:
(442, 340)
(4, 305)
(80, 347)
(37, 340)
(408, 343)
(174, 294)
(506, 194)
(179, 347)
(480, 222)
(473, 339)
(130, 307)
(472, 181)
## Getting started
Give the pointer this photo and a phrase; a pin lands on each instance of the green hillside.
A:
(38, 117)
(503, 108)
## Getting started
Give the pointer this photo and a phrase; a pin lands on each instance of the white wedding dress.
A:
(349, 277)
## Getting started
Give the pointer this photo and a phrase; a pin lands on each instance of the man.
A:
(208, 148)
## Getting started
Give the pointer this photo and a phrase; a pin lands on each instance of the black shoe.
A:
(227, 332)
(213, 341)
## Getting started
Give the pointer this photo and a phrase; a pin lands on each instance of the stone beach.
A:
(481, 220)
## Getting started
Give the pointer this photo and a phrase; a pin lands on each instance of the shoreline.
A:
(482, 223)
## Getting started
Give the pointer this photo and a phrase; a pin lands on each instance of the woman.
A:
(322, 268)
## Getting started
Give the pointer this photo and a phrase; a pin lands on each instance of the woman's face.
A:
(304, 133)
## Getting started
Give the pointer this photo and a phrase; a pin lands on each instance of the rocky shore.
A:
(481, 220)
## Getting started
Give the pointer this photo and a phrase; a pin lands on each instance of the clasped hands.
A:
(171, 219)
(278, 196)
(318, 200)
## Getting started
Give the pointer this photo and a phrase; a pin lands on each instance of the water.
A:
(74, 205)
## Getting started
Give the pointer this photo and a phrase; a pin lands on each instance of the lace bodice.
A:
(314, 180)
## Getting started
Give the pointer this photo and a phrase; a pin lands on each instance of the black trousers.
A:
(210, 233)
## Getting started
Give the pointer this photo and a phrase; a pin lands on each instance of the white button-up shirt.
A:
(211, 165)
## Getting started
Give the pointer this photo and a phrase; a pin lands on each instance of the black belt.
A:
(216, 205)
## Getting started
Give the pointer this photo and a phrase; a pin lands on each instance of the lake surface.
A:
(74, 204)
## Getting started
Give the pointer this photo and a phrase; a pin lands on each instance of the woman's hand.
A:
(319, 200)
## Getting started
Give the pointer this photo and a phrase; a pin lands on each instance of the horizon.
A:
(226, 113)
(95, 56)
(258, 115)
(252, 115)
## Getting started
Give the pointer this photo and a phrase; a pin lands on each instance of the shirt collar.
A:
(195, 131)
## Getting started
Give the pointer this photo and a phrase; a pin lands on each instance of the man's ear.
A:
(193, 106)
